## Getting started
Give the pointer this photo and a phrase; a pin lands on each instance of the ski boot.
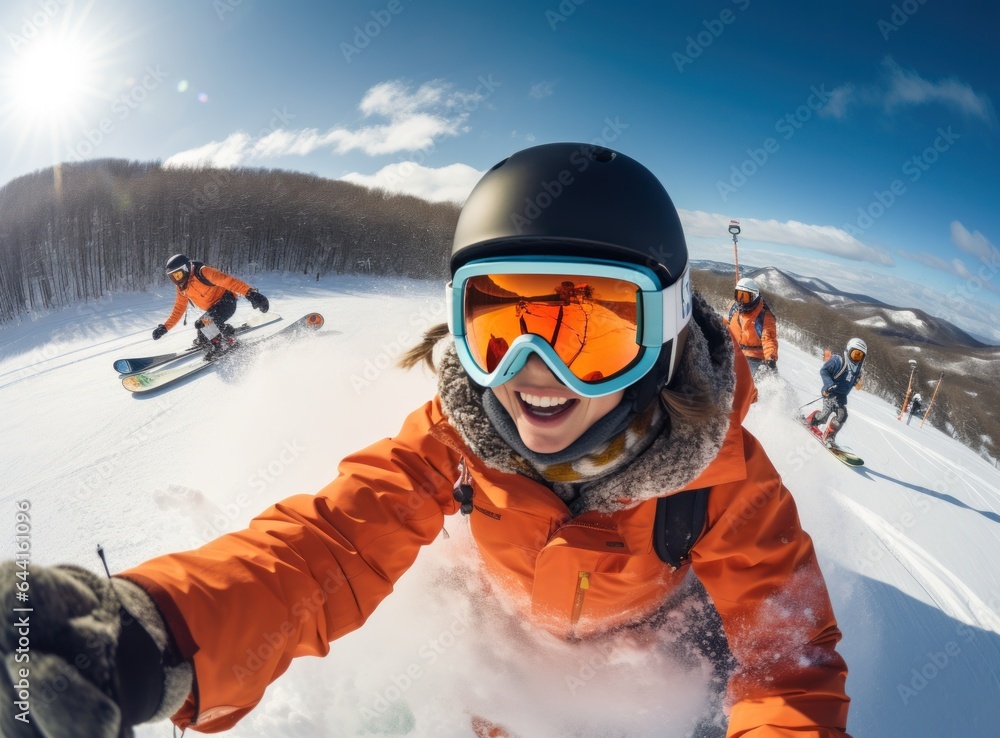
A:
(829, 435)
(220, 345)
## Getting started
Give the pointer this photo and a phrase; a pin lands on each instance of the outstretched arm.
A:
(308, 570)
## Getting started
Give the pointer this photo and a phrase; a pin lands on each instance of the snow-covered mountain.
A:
(908, 544)
(910, 323)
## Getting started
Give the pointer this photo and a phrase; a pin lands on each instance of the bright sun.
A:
(49, 81)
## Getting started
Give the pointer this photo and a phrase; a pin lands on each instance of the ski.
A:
(840, 453)
(158, 378)
(142, 363)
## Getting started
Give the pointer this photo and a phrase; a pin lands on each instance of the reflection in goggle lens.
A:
(590, 321)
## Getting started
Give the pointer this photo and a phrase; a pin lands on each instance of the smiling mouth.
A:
(541, 406)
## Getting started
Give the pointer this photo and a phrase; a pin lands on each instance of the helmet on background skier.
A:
(178, 268)
(548, 234)
(746, 294)
(854, 346)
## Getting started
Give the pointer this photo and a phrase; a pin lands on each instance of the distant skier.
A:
(840, 375)
(753, 326)
(916, 405)
(210, 290)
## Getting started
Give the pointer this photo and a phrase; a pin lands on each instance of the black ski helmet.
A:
(572, 199)
(179, 262)
(582, 200)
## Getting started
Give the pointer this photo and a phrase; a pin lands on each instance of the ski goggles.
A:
(599, 326)
(178, 275)
(744, 297)
(856, 354)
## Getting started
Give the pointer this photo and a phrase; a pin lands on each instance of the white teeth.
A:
(536, 401)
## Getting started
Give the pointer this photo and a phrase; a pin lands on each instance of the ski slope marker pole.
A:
(909, 386)
(734, 228)
(931, 405)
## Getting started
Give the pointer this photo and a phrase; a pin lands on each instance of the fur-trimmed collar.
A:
(678, 456)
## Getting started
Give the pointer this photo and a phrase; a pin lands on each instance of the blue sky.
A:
(859, 144)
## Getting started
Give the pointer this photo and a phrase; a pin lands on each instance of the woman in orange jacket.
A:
(752, 324)
(210, 290)
(588, 423)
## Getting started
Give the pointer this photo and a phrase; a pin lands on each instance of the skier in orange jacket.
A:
(588, 423)
(752, 324)
(210, 290)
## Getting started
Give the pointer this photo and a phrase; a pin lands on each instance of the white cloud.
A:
(827, 239)
(899, 88)
(219, 154)
(974, 243)
(984, 276)
(416, 119)
(451, 183)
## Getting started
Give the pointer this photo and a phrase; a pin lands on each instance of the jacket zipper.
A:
(582, 585)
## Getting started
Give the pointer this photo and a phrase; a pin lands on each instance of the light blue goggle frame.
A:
(662, 314)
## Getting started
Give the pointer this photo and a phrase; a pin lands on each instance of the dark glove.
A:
(95, 655)
(258, 301)
(771, 364)
(159, 332)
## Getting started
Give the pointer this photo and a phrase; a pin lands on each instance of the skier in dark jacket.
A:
(840, 375)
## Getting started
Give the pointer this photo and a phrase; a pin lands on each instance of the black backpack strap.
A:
(680, 521)
(196, 270)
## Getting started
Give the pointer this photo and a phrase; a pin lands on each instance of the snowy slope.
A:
(909, 544)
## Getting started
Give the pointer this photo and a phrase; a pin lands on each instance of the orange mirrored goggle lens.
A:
(590, 322)
(744, 297)
(857, 354)
(177, 275)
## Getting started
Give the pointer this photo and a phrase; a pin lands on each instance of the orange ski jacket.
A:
(314, 567)
(203, 295)
(755, 331)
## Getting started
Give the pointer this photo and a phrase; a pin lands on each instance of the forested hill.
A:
(79, 231)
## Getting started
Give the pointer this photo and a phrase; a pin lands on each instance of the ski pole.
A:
(811, 402)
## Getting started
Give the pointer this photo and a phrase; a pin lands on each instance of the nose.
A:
(536, 371)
